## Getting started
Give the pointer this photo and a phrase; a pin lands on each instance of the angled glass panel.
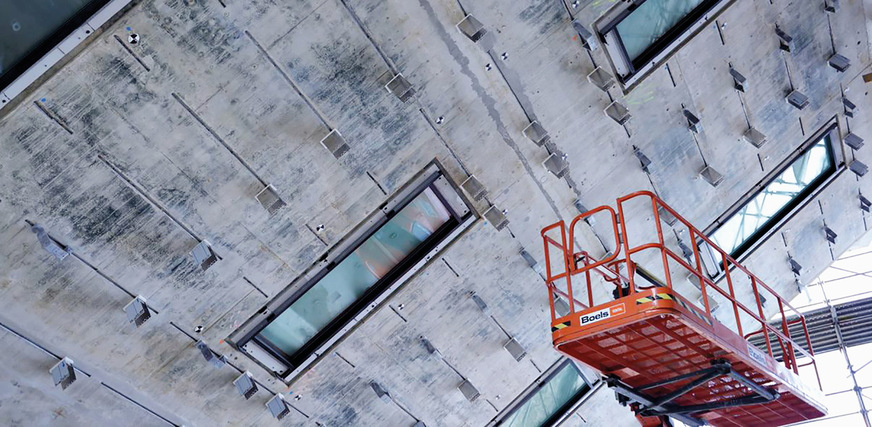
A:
(651, 21)
(357, 273)
(777, 197)
(550, 400)
(25, 25)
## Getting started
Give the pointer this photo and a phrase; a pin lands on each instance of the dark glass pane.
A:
(650, 21)
(358, 272)
(25, 24)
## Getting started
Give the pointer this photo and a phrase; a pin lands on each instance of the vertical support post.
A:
(548, 276)
(732, 293)
(764, 325)
(567, 258)
(699, 270)
(631, 267)
(811, 351)
(662, 242)
(790, 361)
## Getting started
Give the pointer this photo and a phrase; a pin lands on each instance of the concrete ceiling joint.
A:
(601, 79)
(204, 255)
(850, 107)
(469, 391)
(137, 311)
(496, 218)
(472, 28)
(480, 303)
(474, 188)
(858, 168)
(618, 112)
(797, 99)
(785, 40)
(245, 385)
(693, 122)
(278, 407)
(400, 87)
(49, 244)
(381, 392)
(830, 234)
(556, 164)
(853, 141)
(795, 267)
(536, 133)
(63, 373)
(643, 159)
(270, 199)
(215, 359)
(755, 137)
(839, 63)
(739, 80)
(711, 176)
(865, 204)
(586, 37)
(335, 143)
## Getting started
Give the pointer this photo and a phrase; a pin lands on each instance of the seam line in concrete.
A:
(487, 100)
(290, 81)
(148, 197)
(255, 286)
(131, 400)
(217, 137)
(132, 53)
(53, 116)
(366, 33)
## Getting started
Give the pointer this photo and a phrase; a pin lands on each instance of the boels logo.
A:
(601, 315)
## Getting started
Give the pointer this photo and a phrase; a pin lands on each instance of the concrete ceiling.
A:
(130, 154)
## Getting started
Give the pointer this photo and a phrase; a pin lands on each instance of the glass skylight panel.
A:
(650, 21)
(357, 273)
(640, 35)
(549, 400)
(776, 198)
(29, 24)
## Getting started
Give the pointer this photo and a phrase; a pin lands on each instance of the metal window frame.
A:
(54, 48)
(830, 130)
(563, 412)
(659, 51)
(289, 367)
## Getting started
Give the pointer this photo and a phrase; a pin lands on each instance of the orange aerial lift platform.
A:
(665, 355)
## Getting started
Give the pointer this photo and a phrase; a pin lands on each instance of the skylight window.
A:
(30, 28)
(553, 397)
(640, 35)
(778, 196)
(349, 280)
(360, 273)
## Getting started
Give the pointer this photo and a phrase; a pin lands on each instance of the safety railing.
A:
(563, 262)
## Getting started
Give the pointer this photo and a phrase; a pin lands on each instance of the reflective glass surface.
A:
(25, 24)
(357, 273)
(650, 21)
(774, 197)
(548, 399)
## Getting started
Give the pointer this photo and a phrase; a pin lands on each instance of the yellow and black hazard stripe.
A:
(560, 326)
(657, 296)
(667, 296)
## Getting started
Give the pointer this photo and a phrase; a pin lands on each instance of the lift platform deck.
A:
(664, 355)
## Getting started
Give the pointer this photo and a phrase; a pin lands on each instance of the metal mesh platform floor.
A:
(665, 339)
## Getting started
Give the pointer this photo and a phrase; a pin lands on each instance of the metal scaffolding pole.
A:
(844, 349)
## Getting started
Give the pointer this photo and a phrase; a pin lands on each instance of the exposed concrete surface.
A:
(131, 154)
